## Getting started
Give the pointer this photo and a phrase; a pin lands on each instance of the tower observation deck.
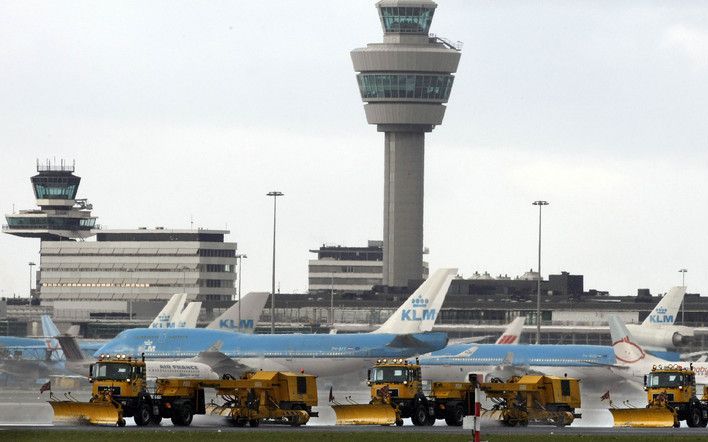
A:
(404, 83)
(60, 215)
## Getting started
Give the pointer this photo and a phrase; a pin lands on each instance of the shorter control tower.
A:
(60, 215)
(405, 82)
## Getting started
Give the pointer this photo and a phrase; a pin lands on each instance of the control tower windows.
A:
(405, 86)
(409, 20)
(51, 223)
(55, 187)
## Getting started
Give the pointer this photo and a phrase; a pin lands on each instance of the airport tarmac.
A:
(27, 409)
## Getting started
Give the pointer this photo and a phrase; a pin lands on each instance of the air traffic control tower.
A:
(404, 82)
(60, 216)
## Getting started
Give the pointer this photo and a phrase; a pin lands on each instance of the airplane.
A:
(405, 334)
(658, 331)
(513, 331)
(44, 356)
(592, 363)
(187, 318)
(78, 363)
(633, 361)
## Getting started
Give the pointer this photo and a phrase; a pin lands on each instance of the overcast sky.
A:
(176, 109)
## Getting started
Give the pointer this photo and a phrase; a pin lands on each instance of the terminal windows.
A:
(409, 20)
(409, 86)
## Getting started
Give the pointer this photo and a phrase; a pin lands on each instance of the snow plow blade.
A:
(365, 414)
(643, 417)
(97, 413)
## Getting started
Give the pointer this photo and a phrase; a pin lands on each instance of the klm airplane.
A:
(593, 363)
(48, 350)
(405, 334)
(588, 362)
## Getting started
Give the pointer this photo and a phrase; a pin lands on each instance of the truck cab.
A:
(674, 386)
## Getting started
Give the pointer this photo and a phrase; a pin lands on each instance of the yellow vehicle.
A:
(120, 390)
(671, 398)
(266, 395)
(533, 398)
(397, 393)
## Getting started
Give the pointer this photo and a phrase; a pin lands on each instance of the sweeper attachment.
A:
(671, 398)
(534, 398)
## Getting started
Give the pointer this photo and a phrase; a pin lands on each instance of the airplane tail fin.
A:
(251, 308)
(627, 351)
(666, 310)
(49, 329)
(165, 319)
(419, 312)
(187, 318)
(513, 331)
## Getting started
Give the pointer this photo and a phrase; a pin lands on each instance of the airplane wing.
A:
(472, 340)
(220, 363)
(402, 341)
(702, 354)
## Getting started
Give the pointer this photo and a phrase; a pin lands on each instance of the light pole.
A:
(331, 300)
(275, 194)
(540, 205)
(31, 264)
(683, 303)
(240, 256)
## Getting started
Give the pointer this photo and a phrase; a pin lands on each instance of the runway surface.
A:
(25, 409)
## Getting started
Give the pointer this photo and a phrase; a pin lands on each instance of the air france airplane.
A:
(405, 334)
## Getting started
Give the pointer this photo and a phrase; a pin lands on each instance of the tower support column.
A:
(403, 207)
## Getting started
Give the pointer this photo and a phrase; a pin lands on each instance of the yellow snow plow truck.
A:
(397, 393)
(120, 390)
(671, 398)
(533, 398)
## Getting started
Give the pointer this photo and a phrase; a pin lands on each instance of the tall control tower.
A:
(404, 82)
(60, 216)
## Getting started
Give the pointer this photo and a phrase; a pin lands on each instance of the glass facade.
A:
(55, 187)
(51, 223)
(409, 20)
(410, 86)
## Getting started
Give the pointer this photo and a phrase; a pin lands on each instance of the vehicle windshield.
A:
(390, 374)
(665, 380)
(116, 372)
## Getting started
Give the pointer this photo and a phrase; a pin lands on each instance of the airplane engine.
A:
(661, 337)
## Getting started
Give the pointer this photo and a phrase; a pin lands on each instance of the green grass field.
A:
(129, 435)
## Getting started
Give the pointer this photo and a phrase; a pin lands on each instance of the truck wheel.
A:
(254, 423)
(420, 415)
(455, 416)
(238, 422)
(399, 422)
(121, 422)
(695, 417)
(182, 416)
(142, 415)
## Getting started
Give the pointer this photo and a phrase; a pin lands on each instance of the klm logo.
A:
(661, 317)
(419, 312)
(147, 347)
(231, 324)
